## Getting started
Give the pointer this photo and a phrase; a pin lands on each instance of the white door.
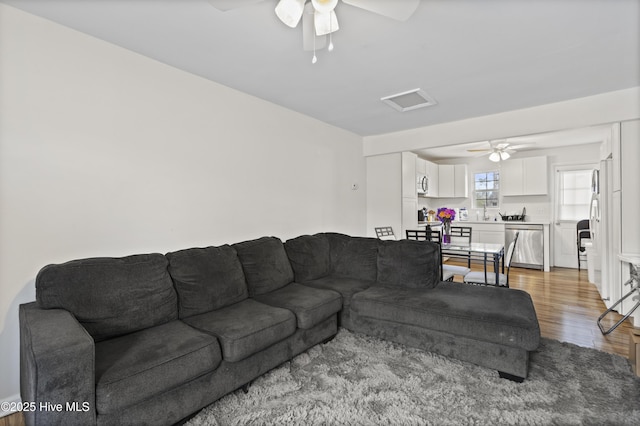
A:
(572, 201)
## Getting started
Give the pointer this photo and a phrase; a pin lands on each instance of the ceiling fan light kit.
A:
(325, 22)
(494, 156)
(499, 150)
(499, 154)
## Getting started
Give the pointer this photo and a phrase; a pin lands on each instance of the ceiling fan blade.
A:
(308, 31)
(479, 150)
(522, 145)
(290, 12)
(394, 9)
(225, 5)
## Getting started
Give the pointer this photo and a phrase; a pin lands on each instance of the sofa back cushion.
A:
(353, 257)
(111, 296)
(207, 279)
(265, 264)
(310, 257)
(408, 263)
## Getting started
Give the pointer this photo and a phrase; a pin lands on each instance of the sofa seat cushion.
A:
(347, 287)
(140, 365)
(496, 315)
(311, 305)
(246, 327)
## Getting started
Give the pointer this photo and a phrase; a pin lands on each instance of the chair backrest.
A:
(583, 224)
(461, 234)
(385, 233)
(582, 231)
(510, 251)
(423, 235)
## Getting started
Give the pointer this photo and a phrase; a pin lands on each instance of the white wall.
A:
(104, 152)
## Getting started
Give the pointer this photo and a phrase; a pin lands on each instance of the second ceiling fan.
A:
(499, 150)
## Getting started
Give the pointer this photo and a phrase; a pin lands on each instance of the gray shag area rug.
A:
(360, 380)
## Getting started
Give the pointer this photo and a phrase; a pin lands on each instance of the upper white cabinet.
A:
(432, 174)
(421, 166)
(524, 176)
(452, 181)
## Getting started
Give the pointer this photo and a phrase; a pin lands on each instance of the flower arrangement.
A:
(446, 215)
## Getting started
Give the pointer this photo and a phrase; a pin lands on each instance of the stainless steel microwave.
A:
(423, 184)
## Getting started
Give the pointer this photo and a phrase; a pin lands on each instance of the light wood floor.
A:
(566, 303)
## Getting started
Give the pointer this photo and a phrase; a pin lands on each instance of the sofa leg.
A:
(245, 387)
(328, 339)
(511, 377)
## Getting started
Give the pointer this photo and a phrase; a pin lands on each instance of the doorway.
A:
(572, 190)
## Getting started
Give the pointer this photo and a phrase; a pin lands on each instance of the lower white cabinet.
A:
(492, 233)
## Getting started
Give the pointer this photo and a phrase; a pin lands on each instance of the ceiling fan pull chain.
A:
(315, 58)
(330, 48)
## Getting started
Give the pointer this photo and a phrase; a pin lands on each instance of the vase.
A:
(446, 232)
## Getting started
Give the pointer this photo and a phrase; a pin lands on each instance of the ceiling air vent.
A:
(409, 100)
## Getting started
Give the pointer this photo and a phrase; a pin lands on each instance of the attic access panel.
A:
(409, 100)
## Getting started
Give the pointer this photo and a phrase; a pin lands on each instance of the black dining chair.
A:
(385, 233)
(489, 278)
(462, 234)
(582, 233)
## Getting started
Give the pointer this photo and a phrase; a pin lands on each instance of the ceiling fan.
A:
(499, 150)
(319, 17)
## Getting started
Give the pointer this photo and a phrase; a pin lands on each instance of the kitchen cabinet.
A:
(421, 166)
(486, 232)
(524, 176)
(432, 174)
(452, 181)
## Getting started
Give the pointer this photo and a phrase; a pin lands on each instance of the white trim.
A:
(13, 399)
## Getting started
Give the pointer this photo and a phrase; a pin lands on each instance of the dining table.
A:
(493, 252)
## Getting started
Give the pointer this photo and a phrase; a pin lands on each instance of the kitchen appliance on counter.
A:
(529, 251)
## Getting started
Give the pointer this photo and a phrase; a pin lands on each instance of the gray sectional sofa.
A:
(152, 338)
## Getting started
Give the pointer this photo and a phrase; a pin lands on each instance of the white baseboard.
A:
(13, 401)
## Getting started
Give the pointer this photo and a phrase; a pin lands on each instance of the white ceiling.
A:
(474, 57)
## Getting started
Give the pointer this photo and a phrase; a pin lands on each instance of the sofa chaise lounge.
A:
(152, 338)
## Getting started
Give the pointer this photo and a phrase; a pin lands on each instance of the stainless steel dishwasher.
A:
(529, 252)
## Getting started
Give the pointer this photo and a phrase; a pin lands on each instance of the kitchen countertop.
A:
(489, 222)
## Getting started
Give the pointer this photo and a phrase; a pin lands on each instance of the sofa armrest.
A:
(57, 368)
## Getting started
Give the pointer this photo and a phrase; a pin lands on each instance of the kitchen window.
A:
(486, 188)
